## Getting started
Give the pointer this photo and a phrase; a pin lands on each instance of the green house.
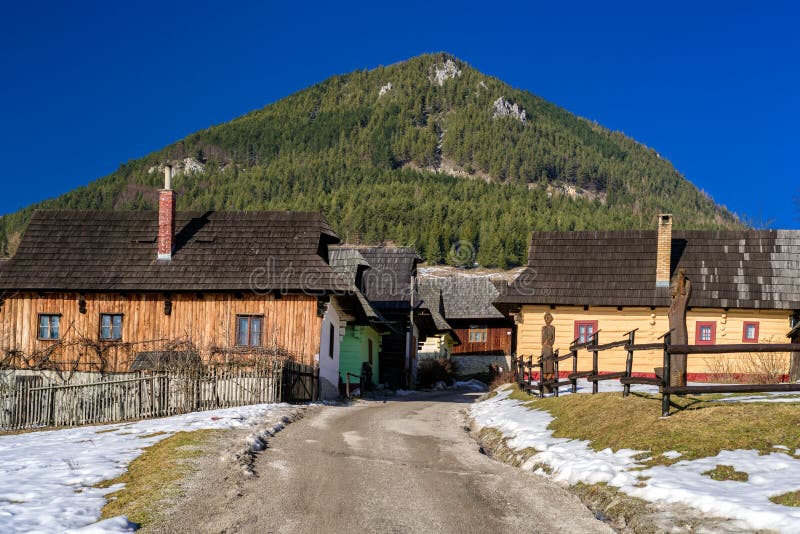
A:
(361, 344)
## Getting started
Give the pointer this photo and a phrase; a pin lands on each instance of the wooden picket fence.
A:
(28, 404)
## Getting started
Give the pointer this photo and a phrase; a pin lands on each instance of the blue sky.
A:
(711, 86)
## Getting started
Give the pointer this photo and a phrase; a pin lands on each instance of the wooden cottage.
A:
(441, 344)
(390, 286)
(485, 334)
(363, 333)
(92, 291)
(745, 289)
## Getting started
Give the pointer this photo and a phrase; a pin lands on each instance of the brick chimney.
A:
(663, 256)
(166, 217)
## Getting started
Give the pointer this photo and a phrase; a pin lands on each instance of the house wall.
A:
(613, 324)
(436, 347)
(207, 321)
(355, 350)
(328, 357)
(498, 340)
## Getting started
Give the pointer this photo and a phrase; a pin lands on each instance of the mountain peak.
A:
(427, 152)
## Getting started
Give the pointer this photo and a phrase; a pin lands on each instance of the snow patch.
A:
(573, 461)
(504, 108)
(441, 72)
(48, 479)
(472, 385)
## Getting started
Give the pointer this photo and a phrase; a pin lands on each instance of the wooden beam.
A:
(734, 348)
(733, 388)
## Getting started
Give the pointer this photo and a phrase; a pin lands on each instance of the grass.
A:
(787, 499)
(698, 428)
(152, 477)
(726, 472)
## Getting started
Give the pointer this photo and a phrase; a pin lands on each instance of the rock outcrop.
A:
(441, 72)
(504, 108)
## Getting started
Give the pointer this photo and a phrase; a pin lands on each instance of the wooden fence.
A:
(30, 404)
(524, 368)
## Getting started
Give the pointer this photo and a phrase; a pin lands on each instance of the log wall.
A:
(614, 323)
(207, 321)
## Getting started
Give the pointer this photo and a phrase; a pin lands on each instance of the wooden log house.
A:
(363, 334)
(89, 291)
(485, 334)
(746, 289)
(390, 286)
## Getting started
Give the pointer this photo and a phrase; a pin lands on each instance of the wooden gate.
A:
(300, 382)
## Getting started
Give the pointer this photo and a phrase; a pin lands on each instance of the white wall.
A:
(329, 367)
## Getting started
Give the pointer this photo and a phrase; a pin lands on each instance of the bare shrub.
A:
(752, 367)
(430, 372)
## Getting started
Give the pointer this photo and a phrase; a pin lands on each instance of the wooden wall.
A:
(207, 321)
(498, 338)
(613, 324)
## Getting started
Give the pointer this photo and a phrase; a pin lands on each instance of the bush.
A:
(430, 372)
(501, 378)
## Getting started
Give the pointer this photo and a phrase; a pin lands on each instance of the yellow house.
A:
(746, 289)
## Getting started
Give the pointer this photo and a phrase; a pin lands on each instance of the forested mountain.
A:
(428, 152)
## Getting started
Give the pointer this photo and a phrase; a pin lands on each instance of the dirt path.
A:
(406, 465)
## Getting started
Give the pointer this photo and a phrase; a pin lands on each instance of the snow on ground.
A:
(47, 478)
(574, 461)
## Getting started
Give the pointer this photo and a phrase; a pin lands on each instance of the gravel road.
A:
(402, 466)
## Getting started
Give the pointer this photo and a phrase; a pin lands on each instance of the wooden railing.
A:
(524, 367)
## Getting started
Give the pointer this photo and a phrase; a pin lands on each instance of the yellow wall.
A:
(613, 324)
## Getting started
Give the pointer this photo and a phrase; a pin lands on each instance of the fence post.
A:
(595, 342)
(574, 370)
(665, 380)
(626, 389)
(555, 368)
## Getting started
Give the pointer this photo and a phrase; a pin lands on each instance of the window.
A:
(477, 334)
(705, 333)
(584, 330)
(48, 326)
(248, 330)
(331, 336)
(110, 326)
(369, 350)
(750, 332)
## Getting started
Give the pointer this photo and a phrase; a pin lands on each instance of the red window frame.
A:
(578, 325)
(746, 339)
(698, 328)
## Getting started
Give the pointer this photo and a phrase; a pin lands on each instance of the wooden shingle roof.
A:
(388, 283)
(464, 297)
(347, 262)
(728, 269)
(214, 251)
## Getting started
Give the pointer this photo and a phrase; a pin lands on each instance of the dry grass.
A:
(726, 472)
(787, 499)
(152, 477)
(698, 429)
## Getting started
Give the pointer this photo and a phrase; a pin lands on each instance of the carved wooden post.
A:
(681, 293)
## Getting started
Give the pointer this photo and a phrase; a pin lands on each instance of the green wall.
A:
(354, 350)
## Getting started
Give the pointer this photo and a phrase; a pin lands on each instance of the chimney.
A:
(166, 217)
(663, 256)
